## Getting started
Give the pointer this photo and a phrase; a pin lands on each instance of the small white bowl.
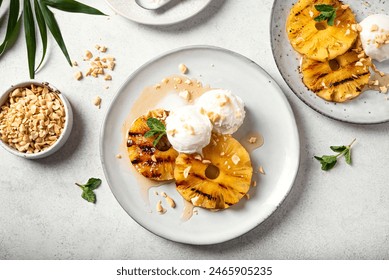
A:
(65, 132)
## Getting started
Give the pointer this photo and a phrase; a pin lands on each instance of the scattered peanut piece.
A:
(185, 95)
(88, 55)
(235, 159)
(108, 77)
(253, 140)
(374, 28)
(78, 75)
(205, 161)
(198, 157)
(254, 183)
(260, 169)
(383, 89)
(75, 63)
(97, 101)
(119, 156)
(183, 69)
(344, 7)
(186, 171)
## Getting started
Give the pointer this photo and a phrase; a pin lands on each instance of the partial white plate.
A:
(175, 12)
(369, 108)
(268, 112)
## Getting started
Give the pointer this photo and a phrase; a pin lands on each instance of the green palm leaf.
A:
(72, 6)
(42, 30)
(52, 24)
(12, 26)
(29, 30)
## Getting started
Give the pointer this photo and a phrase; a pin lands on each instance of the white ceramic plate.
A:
(177, 11)
(268, 112)
(369, 108)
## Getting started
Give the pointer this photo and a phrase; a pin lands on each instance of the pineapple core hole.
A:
(212, 171)
(163, 144)
(334, 64)
(320, 26)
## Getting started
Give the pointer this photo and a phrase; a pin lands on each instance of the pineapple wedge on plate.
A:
(217, 180)
(340, 79)
(156, 163)
(318, 40)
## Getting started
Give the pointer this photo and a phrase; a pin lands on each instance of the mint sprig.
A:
(87, 189)
(157, 128)
(327, 12)
(328, 162)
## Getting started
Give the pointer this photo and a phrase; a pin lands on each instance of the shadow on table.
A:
(71, 145)
(201, 18)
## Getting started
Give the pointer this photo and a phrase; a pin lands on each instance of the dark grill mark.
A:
(348, 80)
(210, 197)
(199, 176)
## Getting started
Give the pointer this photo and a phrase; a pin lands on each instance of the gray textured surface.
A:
(341, 214)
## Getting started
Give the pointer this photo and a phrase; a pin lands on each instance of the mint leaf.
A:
(87, 189)
(150, 133)
(347, 156)
(328, 162)
(338, 149)
(324, 8)
(331, 19)
(157, 128)
(327, 12)
(93, 183)
(155, 124)
(89, 195)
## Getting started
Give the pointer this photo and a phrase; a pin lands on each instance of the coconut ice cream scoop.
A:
(188, 130)
(224, 109)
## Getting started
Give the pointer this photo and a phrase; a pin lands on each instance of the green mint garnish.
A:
(87, 189)
(327, 12)
(328, 162)
(157, 128)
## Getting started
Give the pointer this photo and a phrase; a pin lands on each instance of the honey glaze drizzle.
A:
(187, 213)
(378, 80)
(149, 99)
(252, 141)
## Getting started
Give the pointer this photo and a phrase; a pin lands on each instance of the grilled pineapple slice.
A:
(340, 79)
(156, 163)
(318, 40)
(220, 179)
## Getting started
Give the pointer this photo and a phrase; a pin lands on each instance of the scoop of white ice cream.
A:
(187, 130)
(375, 36)
(224, 109)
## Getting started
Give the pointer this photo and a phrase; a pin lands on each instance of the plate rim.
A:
(296, 162)
(296, 93)
(171, 22)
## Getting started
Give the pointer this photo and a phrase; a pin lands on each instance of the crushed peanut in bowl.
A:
(33, 118)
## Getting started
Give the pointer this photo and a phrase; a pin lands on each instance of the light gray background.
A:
(342, 214)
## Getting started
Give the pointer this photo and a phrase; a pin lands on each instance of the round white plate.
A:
(177, 11)
(369, 108)
(268, 112)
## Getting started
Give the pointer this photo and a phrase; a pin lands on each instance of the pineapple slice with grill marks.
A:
(340, 79)
(318, 40)
(226, 162)
(156, 163)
